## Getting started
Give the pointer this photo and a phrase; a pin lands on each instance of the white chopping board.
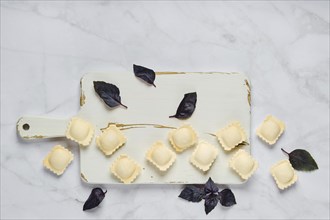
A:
(221, 98)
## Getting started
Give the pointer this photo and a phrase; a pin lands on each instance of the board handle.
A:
(33, 127)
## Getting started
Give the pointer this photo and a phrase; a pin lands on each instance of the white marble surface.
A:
(47, 46)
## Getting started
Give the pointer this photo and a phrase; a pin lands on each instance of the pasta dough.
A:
(231, 136)
(182, 138)
(80, 131)
(283, 174)
(243, 164)
(110, 140)
(161, 156)
(58, 159)
(270, 129)
(125, 169)
(204, 156)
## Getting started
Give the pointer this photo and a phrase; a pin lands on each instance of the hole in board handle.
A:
(26, 127)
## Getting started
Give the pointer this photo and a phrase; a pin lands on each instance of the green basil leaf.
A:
(302, 160)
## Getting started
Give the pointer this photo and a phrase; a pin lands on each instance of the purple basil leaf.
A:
(192, 193)
(186, 107)
(227, 198)
(210, 203)
(94, 199)
(109, 93)
(147, 75)
(210, 187)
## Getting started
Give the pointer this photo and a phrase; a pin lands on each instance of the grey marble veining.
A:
(47, 46)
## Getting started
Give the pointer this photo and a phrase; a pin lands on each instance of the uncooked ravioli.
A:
(270, 129)
(125, 169)
(243, 164)
(58, 159)
(284, 174)
(182, 138)
(110, 140)
(80, 131)
(204, 155)
(231, 136)
(160, 156)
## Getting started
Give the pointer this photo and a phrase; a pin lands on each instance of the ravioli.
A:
(283, 174)
(160, 156)
(231, 136)
(243, 164)
(110, 140)
(80, 131)
(182, 138)
(58, 159)
(270, 129)
(204, 155)
(125, 169)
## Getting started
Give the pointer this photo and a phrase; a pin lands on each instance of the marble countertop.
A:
(47, 46)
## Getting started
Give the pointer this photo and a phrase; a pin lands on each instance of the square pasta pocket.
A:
(80, 131)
